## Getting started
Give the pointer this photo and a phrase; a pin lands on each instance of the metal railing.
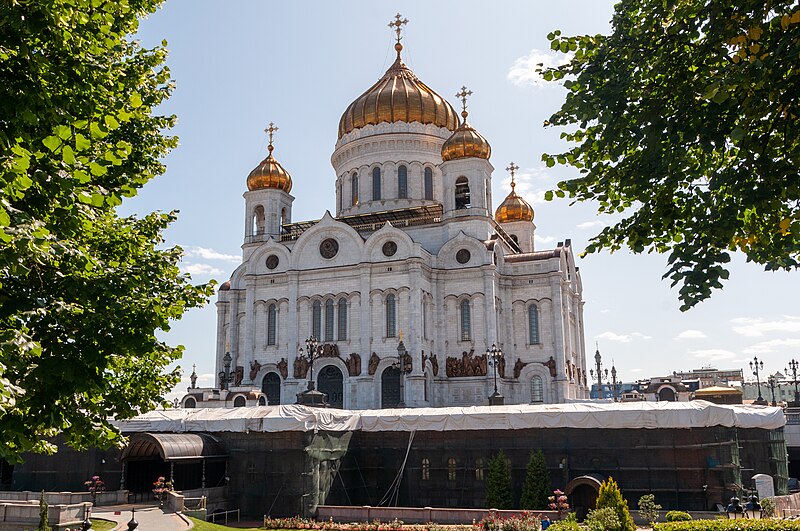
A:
(194, 504)
(217, 516)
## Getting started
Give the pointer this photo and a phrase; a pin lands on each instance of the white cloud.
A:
(210, 254)
(622, 338)
(713, 354)
(543, 240)
(691, 334)
(635, 370)
(772, 346)
(590, 224)
(524, 70)
(201, 269)
(531, 184)
(755, 327)
(605, 310)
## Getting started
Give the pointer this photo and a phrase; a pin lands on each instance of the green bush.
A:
(648, 509)
(611, 496)
(567, 524)
(604, 519)
(678, 516)
(730, 525)
(498, 483)
(768, 507)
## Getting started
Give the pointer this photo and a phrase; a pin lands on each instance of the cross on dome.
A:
(270, 131)
(398, 24)
(463, 94)
(512, 169)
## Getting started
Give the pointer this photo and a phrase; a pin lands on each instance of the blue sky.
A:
(239, 65)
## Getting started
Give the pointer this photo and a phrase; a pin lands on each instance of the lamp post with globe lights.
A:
(494, 355)
(311, 397)
(793, 365)
(758, 366)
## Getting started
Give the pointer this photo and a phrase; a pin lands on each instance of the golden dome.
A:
(465, 142)
(513, 208)
(270, 173)
(399, 96)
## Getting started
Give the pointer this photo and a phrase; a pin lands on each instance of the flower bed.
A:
(525, 522)
(730, 525)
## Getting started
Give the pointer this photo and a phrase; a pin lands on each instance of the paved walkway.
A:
(149, 516)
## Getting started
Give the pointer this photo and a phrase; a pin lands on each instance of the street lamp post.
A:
(311, 397)
(773, 383)
(598, 373)
(614, 382)
(794, 365)
(225, 375)
(494, 355)
(758, 366)
(401, 365)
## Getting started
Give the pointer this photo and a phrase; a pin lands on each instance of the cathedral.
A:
(416, 293)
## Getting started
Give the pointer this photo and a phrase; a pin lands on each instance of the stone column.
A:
(365, 319)
(415, 317)
(234, 329)
(292, 325)
(249, 329)
(559, 350)
(222, 308)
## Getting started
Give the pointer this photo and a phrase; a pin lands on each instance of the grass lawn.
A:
(200, 525)
(98, 524)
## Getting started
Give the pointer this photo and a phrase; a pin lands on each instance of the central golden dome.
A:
(399, 96)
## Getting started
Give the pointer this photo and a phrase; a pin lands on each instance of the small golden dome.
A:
(465, 142)
(270, 173)
(399, 96)
(513, 208)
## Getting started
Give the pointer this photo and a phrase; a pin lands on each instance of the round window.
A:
(272, 261)
(389, 248)
(463, 256)
(328, 248)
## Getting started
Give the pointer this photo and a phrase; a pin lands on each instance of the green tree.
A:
(536, 488)
(648, 509)
(685, 124)
(44, 517)
(83, 291)
(498, 483)
(610, 496)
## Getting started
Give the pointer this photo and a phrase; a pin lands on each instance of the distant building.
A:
(710, 376)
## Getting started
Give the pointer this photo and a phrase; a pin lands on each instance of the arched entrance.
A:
(666, 394)
(390, 387)
(582, 494)
(331, 382)
(188, 460)
(271, 386)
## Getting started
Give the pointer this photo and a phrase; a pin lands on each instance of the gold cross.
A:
(398, 24)
(512, 168)
(270, 130)
(463, 95)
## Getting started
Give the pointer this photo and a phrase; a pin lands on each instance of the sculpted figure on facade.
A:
(434, 362)
(354, 364)
(329, 350)
(300, 367)
(255, 366)
(550, 364)
(468, 365)
(283, 368)
(518, 366)
(373, 364)
(238, 376)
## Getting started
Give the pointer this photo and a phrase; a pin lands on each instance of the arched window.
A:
(272, 317)
(402, 182)
(354, 189)
(533, 324)
(239, 401)
(514, 237)
(316, 320)
(271, 388)
(451, 469)
(258, 221)
(426, 469)
(537, 391)
(428, 183)
(479, 469)
(462, 193)
(190, 403)
(329, 320)
(424, 319)
(342, 332)
(466, 321)
(391, 316)
(262, 400)
(376, 184)
(284, 217)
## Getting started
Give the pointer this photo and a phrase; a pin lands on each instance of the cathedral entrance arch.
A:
(390, 387)
(582, 494)
(666, 394)
(271, 386)
(331, 382)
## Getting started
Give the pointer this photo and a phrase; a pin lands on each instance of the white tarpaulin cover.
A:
(631, 415)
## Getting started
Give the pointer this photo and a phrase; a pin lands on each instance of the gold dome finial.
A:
(270, 173)
(513, 208)
(397, 26)
(463, 94)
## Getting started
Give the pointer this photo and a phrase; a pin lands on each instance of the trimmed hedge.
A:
(730, 525)
(678, 516)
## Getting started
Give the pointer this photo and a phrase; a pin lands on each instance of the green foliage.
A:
(684, 123)
(610, 496)
(678, 516)
(498, 483)
(730, 525)
(570, 523)
(648, 509)
(43, 515)
(604, 519)
(83, 292)
(537, 486)
(768, 507)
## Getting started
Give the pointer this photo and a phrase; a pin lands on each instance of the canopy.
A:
(173, 446)
(629, 415)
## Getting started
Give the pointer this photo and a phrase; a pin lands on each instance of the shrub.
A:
(604, 519)
(498, 483)
(730, 525)
(678, 516)
(43, 515)
(537, 483)
(611, 496)
(567, 524)
(648, 509)
(768, 507)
